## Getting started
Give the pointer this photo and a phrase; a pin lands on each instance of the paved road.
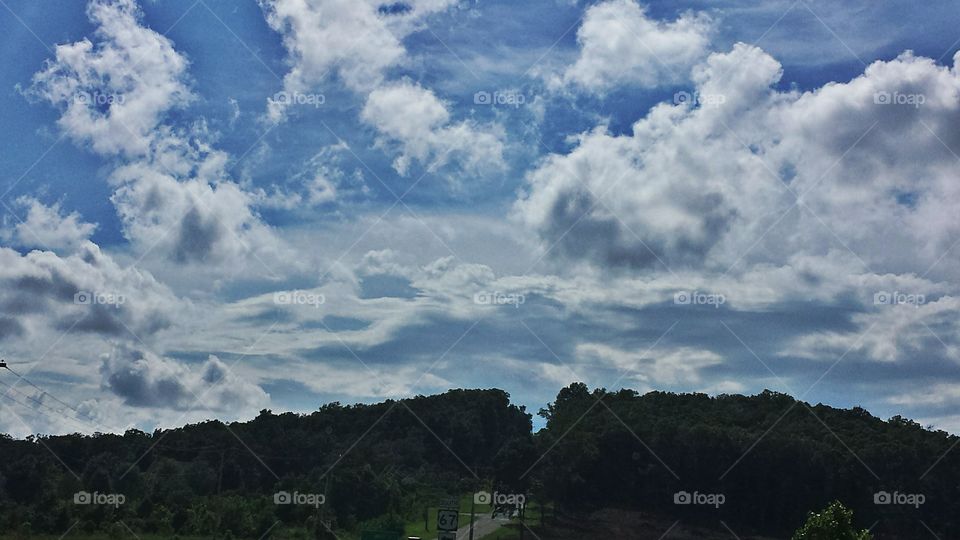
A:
(483, 525)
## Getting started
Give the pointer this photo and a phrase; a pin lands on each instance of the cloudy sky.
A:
(213, 207)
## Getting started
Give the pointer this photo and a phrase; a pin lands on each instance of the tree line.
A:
(758, 463)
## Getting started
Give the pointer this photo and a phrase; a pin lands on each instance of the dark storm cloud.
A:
(197, 237)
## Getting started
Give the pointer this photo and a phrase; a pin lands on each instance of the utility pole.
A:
(473, 505)
(523, 510)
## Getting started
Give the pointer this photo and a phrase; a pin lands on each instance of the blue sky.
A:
(216, 207)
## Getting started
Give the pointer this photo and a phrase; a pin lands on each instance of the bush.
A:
(834, 523)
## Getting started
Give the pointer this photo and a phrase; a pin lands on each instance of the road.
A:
(483, 525)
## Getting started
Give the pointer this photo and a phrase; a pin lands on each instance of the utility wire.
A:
(88, 423)
(55, 398)
(34, 409)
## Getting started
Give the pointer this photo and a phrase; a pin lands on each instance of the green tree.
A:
(834, 523)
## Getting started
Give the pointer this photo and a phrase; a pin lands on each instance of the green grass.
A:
(416, 528)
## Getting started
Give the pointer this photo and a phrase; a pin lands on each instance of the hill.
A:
(605, 460)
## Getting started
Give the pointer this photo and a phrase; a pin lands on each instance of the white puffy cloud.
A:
(115, 93)
(190, 221)
(47, 227)
(359, 41)
(717, 184)
(419, 123)
(143, 379)
(172, 194)
(620, 45)
(84, 292)
(655, 369)
(905, 332)
(352, 39)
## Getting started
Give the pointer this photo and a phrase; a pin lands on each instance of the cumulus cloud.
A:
(85, 292)
(620, 45)
(47, 227)
(905, 332)
(749, 174)
(676, 368)
(114, 93)
(419, 123)
(192, 220)
(144, 379)
(356, 40)
(359, 41)
(172, 193)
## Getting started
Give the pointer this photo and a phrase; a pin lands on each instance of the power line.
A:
(55, 398)
(34, 409)
(76, 419)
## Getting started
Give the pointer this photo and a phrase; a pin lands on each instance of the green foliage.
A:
(833, 523)
(380, 465)
(772, 457)
(205, 480)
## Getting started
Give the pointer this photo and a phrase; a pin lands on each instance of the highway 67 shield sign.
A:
(447, 520)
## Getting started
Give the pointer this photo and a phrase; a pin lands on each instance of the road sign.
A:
(447, 520)
(447, 536)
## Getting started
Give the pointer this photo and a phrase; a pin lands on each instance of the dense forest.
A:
(757, 464)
